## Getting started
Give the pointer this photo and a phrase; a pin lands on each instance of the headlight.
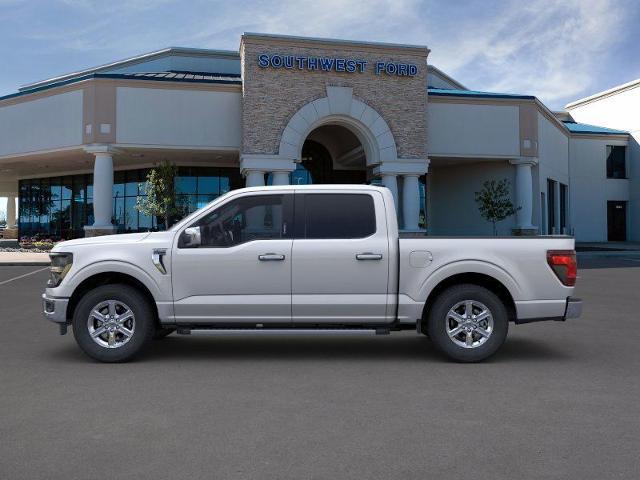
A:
(60, 266)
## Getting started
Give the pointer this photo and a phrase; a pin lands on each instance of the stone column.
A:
(102, 191)
(11, 212)
(524, 196)
(410, 202)
(390, 181)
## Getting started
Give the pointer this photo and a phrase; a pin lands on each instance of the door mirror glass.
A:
(190, 238)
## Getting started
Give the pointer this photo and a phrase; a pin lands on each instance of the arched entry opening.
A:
(331, 154)
(340, 139)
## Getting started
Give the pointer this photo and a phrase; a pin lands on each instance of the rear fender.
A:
(467, 266)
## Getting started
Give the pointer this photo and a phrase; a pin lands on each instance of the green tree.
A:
(161, 199)
(494, 202)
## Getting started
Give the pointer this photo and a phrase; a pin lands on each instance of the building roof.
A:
(176, 75)
(585, 128)
(436, 71)
(132, 61)
(171, 76)
(474, 93)
(604, 93)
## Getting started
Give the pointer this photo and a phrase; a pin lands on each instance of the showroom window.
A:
(59, 207)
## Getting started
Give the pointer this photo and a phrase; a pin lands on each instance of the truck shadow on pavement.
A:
(329, 349)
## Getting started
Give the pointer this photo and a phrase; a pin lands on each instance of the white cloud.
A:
(548, 48)
(545, 48)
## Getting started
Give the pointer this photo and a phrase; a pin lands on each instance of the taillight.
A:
(564, 265)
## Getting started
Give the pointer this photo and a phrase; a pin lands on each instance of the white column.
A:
(254, 178)
(255, 217)
(11, 212)
(390, 181)
(410, 202)
(410, 170)
(524, 193)
(102, 190)
(281, 178)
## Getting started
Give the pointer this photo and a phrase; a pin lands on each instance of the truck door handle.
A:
(270, 257)
(369, 256)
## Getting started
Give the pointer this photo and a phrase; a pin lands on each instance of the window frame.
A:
(300, 223)
(287, 217)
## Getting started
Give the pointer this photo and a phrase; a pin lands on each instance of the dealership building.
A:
(75, 149)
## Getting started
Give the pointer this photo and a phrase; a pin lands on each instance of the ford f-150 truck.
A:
(322, 259)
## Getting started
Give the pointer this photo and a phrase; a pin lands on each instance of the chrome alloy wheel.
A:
(111, 324)
(469, 324)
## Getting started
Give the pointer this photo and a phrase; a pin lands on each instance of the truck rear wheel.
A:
(468, 323)
(113, 323)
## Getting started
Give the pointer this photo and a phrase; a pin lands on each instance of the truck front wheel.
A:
(468, 323)
(113, 323)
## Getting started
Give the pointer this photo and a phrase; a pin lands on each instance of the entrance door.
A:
(318, 162)
(235, 264)
(340, 258)
(617, 221)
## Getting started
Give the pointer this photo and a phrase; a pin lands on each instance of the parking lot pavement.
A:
(559, 401)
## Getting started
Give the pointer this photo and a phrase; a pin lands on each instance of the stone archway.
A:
(339, 107)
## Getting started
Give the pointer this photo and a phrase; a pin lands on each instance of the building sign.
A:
(335, 64)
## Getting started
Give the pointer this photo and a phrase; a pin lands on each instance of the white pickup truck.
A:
(325, 259)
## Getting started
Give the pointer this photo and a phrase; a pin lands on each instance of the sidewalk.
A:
(23, 259)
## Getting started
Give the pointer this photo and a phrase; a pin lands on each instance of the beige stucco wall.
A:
(178, 117)
(50, 122)
(473, 129)
(272, 96)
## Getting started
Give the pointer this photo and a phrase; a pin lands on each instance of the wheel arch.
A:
(474, 278)
(109, 278)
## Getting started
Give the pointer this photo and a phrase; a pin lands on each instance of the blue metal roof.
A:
(188, 77)
(444, 92)
(575, 127)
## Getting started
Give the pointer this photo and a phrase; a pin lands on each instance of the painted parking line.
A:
(22, 276)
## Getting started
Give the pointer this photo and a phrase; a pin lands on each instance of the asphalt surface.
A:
(560, 400)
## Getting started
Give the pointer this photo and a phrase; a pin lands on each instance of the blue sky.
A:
(557, 50)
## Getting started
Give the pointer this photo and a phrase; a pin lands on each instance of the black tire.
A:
(142, 333)
(161, 333)
(438, 323)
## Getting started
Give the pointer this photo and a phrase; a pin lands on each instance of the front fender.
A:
(71, 283)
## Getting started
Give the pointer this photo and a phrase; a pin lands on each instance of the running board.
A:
(282, 331)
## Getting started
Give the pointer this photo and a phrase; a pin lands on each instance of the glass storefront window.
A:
(60, 207)
(186, 184)
(209, 185)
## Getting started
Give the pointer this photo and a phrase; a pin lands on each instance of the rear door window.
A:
(335, 215)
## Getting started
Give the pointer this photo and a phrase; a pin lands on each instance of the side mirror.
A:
(190, 238)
